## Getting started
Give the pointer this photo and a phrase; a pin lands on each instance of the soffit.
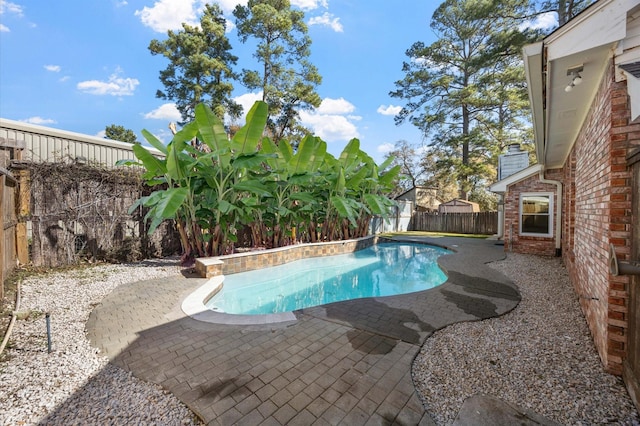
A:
(588, 40)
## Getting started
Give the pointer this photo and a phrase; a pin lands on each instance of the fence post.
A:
(24, 201)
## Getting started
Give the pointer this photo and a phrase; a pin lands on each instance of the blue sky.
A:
(82, 65)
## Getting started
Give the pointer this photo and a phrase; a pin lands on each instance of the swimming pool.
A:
(380, 270)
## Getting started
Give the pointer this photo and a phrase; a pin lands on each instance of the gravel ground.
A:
(540, 356)
(74, 385)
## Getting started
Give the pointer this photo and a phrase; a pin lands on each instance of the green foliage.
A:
(200, 66)
(119, 133)
(249, 181)
(286, 77)
(565, 9)
(466, 91)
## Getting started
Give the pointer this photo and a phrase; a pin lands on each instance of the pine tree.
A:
(200, 66)
(286, 77)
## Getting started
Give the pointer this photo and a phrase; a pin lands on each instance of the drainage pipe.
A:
(14, 316)
(558, 225)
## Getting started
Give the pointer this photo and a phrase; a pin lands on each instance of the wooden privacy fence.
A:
(8, 229)
(13, 239)
(485, 223)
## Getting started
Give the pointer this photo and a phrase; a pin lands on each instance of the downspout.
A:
(557, 183)
(558, 225)
(500, 234)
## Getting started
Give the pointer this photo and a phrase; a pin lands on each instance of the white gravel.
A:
(540, 356)
(74, 384)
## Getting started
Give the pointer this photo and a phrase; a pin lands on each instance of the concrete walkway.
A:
(344, 363)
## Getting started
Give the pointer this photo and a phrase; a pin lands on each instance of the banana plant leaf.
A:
(246, 140)
(250, 161)
(153, 164)
(299, 163)
(346, 208)
(306, 197)
(154, 142)
(213, 134)
(386, 180)
(254, 187)
(164, 205)
(378, 204)
(226, 207)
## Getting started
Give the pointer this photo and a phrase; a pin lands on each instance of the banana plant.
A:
(289, 180)
(250, 180)
(227, 173)
(202, 187)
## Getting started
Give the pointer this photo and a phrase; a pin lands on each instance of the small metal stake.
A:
(48, 318)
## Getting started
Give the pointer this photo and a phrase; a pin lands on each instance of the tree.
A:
(412, 168)
(460, 90)
(287, 79)
(565, 9)
(200, 66)
(119, 133)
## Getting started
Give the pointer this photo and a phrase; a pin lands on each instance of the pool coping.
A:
(194, 305)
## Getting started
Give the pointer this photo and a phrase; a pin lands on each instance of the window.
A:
(536, 212)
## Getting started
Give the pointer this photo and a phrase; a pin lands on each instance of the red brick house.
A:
(583, 196)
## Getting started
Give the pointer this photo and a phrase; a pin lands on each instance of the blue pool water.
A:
(380, 270)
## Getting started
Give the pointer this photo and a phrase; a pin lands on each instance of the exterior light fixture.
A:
(576, 78)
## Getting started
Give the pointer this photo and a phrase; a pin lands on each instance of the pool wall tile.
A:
(208, 267)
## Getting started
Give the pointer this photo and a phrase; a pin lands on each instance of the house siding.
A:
(597, 213)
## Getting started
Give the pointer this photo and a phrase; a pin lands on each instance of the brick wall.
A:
(513, 240)
(596, 213)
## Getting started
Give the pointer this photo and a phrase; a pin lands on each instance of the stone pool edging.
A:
(208, 267)
(215, 268)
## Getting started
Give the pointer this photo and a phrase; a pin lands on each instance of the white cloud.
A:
(331, 128)
(9, 7)
(228, 5)
(389, 110)
(310, 4)
(65, 78)
(545, 21)
(167, 112)
(230, 25)
(385, 148)
(335, 106)
(52, 68)
(12, 8)
(121, 3)
(167, 15)
(101, 134)
(332, 120)
(329, 20)
(115, 86)
(38, 120)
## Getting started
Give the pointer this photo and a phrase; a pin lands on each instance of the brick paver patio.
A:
(345, 363)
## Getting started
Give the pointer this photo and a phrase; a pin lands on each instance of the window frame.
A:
(550, 214)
